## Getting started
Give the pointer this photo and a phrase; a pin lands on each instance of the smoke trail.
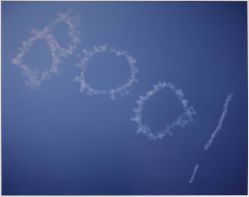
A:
(112, 93)
(220, 123)
(185, 118)
(192, 178)
(57, 52)
(72, 21)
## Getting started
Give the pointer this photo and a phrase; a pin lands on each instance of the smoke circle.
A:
(181, 121)
(122, 89)
(57, 52)
(34, 80)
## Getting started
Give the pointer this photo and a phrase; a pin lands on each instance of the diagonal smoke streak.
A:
(215, 132)
(57, 52)
(122, 89)
(220, 123)
(185, 118)
(192, 178)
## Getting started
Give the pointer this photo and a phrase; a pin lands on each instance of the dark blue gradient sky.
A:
(56, 140)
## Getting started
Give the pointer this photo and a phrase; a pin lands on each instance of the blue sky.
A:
(59, 140)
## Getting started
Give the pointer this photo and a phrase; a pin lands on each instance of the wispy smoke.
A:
(192, 178)
(220, 123)
(185, 118)
(122, 89)
(57, 52)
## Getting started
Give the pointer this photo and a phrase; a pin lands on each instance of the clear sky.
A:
(59, 140)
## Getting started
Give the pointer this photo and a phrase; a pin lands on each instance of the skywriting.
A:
(177, 98)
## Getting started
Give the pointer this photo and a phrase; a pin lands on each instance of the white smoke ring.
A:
(122, 89)
(57, 52)
(185, 118)
(33, 79)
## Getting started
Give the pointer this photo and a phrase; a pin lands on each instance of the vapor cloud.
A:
(185, 118)
(57, 52)
(122, 89)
